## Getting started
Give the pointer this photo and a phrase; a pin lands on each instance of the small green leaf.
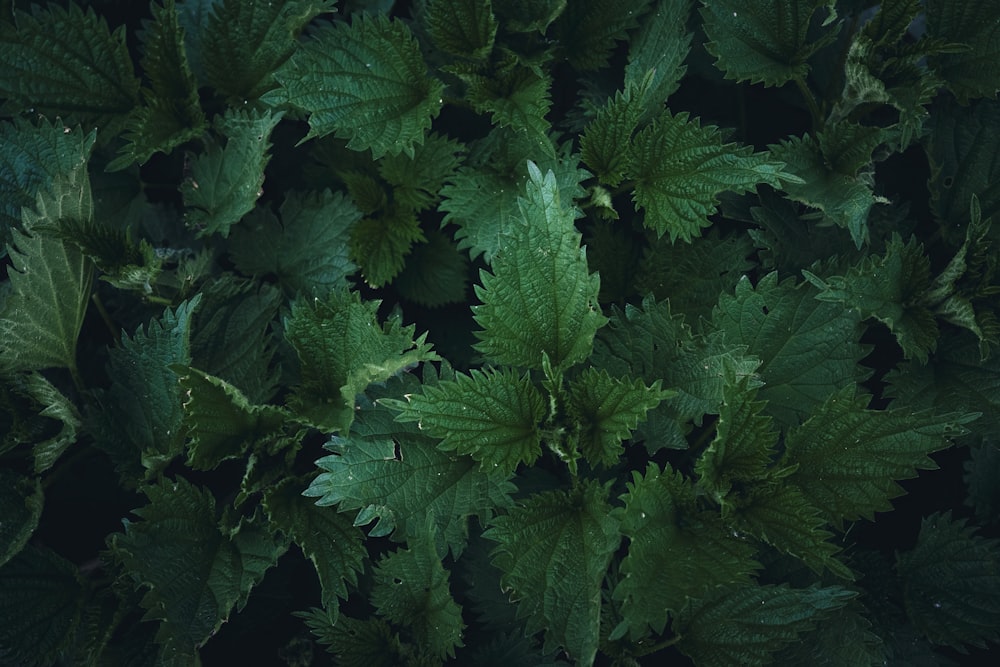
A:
(541, 298)
(969, 73)
(516, 96)
(417, 179)
(951, 583)
(357, 643)
(379, 244)
(657, 52)
(462, 28)
(589, 29)
(767, 42)
(492, 416)
(680, 168)
(604, 137)
(21, 502)
(554, 550)
(412, 589)
(55, 405)
(365, 81)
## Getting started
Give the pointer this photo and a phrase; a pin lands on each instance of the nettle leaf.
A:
(56, 406)
(675, 551)
(172, 112)
(849, 458)
(365, 81)
(516, 96)
(40, 608)
(436, 272)
(968, 73)
(412, 589)
(194, 571)
(612, 128)
(554, 549)
(606, 410)
(492, 416)
(461, 28)
(588, 30)
(890, 288)
(680, 168)
(305, 247)
(226, 181)
(379, 244)
(67, 63)
(32, 158)
(843, 199)
(395, 474)
(250, 40)
(21, 502)
(326, 537)
(540, 298)
(825, 645)
(657, 52)
(747, 624)
(342, 349)
(767, 42)
(358, 643)
(50, 281)
(951, 585)
(528, 15)
(807, 348)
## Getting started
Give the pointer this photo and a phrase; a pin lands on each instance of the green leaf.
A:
(365, 81)
(847, 147)
(342, 349)
(588, 30)
(849, 458)
(807, 348)
(250, 40)
(492, 416)
(50, 281)
(767, 42)
(436, 272)
(357, 643)
(541, 298)
(844, 200)
(746, 625)
(680, 168)
(890, 288)
(194, 571)
(379, 244)
(951, 585)
(969, 73)
(40, 608)
(67, 63)
(55, 405)
(412, 589)
(305, 247)
(554, 549)
(612, 128)
(657, 52)
(606, 410)
(226, 180)
(417, 179)
(395, 474)
(462, 28)
(21, 502)
(326, 537)
(528, 15)
(675, 551)
(516, 96)
(172, 112)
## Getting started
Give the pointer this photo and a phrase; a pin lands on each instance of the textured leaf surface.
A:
(554, 550)
(492, 416)
(515, 96)
(588, 29)
(326, 537)
(541, 298)
(745, 625)
(21, 502)
(767, 42)
(612, 128)
(848, 457)
(969, 73)
(366, 82)
(412, 588)
(951, 583)
(675, 551)
(342, 349)
(56, 406)
(462, 28)
(680, 168)
(195, 572)
(380, 243)
(417, 179)
(357, 643)
(306, 249)
(807, 348)
(395, 474)
(658, 51)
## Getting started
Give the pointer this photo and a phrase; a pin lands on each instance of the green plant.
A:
(731, 275)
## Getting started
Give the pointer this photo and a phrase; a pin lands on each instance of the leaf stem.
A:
(810, 99)
(106, 317)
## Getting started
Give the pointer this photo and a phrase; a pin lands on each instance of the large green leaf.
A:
(554, 549)
(540, 298)
(366, 81)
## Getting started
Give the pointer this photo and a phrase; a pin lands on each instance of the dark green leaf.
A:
(21, 501)
(462, 28)
(588, 29)
(436, 272)
(657, 52)
(970, 73)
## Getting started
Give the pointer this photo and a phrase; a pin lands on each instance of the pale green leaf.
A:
(848, 458)
(412, 589)
(746, 625)
(226, 181)
(365, 81)
(657, 52)
(540, 298)
(588, 30)
(951, 583)
(972, 72)
(462, 28)
(768, 41)
(554, 549)
(21, 502)
(680, 168)
(492, 416)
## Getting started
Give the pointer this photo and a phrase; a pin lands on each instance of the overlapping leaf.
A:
(380, 243)
(970, 73)
(436, 272)
(657, 52)
(462, 28)
(588, 30)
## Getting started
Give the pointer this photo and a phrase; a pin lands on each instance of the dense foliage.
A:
(499, 332)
